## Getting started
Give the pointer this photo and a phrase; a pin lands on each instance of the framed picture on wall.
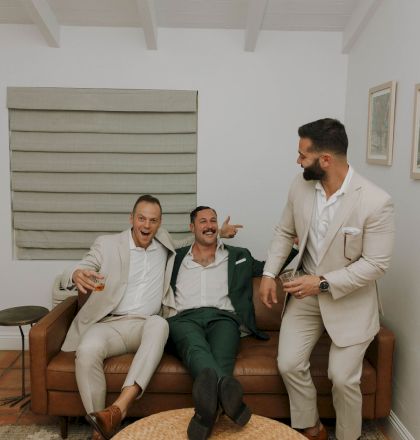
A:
(381, 113)
(415, 164)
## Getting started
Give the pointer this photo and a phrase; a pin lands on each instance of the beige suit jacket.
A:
(351, 262)
(110, 254)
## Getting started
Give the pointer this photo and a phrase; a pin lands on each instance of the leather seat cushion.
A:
(256, 369)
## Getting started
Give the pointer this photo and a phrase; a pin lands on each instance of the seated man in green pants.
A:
(213, 295)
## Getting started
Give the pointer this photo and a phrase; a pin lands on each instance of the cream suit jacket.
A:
(356, 252)
(111, 255)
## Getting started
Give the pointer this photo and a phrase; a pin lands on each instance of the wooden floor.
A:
(11, 385)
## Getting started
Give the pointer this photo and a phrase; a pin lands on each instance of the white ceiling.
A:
(249, 15)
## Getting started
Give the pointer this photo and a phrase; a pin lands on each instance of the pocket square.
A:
(240, 261)
(350, 230)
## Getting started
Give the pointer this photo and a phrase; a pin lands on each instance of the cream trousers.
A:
(144, 336)
(300, 329)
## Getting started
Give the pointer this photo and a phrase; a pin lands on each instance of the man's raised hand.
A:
(227, 230)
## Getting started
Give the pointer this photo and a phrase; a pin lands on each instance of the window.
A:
(81, 157)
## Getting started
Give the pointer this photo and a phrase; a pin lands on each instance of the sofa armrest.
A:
(380, 354)
(45, 340)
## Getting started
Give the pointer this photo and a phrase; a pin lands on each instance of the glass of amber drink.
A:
(99, 283)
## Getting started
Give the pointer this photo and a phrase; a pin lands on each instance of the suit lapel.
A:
(308, 204)
(347, 205)
(163, 238)
(124, 252)
(308, 208)
(231, 264)
(180, 255)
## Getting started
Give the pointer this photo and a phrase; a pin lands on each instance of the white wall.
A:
(250, 105)
(389, 50)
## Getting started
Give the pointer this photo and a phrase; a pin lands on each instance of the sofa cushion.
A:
(256, 369)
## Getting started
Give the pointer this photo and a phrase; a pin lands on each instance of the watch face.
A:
(324, 285)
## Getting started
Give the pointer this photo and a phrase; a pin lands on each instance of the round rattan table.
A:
(173, 425)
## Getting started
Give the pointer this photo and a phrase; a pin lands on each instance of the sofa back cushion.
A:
(268, 319)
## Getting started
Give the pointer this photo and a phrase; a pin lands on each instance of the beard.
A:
(314, 171)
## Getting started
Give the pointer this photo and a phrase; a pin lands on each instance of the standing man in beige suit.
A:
(124, 317)
(345, 226)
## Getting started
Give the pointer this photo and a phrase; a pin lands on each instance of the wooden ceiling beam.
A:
(255, 18)
(43, 17)
(148, 18)
(362, 13)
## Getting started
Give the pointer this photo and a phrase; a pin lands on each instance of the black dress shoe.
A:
(204, 394)
(230, 398)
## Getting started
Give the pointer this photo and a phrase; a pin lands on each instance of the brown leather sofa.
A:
(54, 388)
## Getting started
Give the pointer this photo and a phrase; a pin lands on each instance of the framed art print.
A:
(415, 162)
(381, 113)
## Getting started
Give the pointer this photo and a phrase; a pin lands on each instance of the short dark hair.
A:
(194, 212)
(149, 199)
(326, 134)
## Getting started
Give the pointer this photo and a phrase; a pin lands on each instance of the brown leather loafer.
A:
(96, 435)
(106, 422)
(322, 434)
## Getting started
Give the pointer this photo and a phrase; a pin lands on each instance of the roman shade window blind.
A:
(79, 159)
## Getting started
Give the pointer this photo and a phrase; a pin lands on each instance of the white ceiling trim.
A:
(362, 13)
(148, 18)
(256, 13)
(43, 17)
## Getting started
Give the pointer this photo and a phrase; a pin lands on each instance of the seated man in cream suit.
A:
(345, 226)
(137, 266)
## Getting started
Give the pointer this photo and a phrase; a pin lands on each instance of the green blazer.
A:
(242, 267)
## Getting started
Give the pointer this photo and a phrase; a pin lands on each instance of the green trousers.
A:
(206, 337)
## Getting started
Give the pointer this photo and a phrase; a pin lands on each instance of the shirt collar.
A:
(344, 186)
(220, 246)
(133, 246)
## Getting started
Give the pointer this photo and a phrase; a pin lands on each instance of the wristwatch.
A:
(324, 285)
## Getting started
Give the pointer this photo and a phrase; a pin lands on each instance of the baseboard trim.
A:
(395, 429)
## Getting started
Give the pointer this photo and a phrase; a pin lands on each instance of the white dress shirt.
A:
(322, 216)
(144, 292)
(203, 286)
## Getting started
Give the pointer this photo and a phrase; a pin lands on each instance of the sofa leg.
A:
(64, 425)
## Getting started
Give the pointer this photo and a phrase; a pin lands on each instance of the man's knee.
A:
(158, 325)
(287, 364)
(341, 380)
(88, 354)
